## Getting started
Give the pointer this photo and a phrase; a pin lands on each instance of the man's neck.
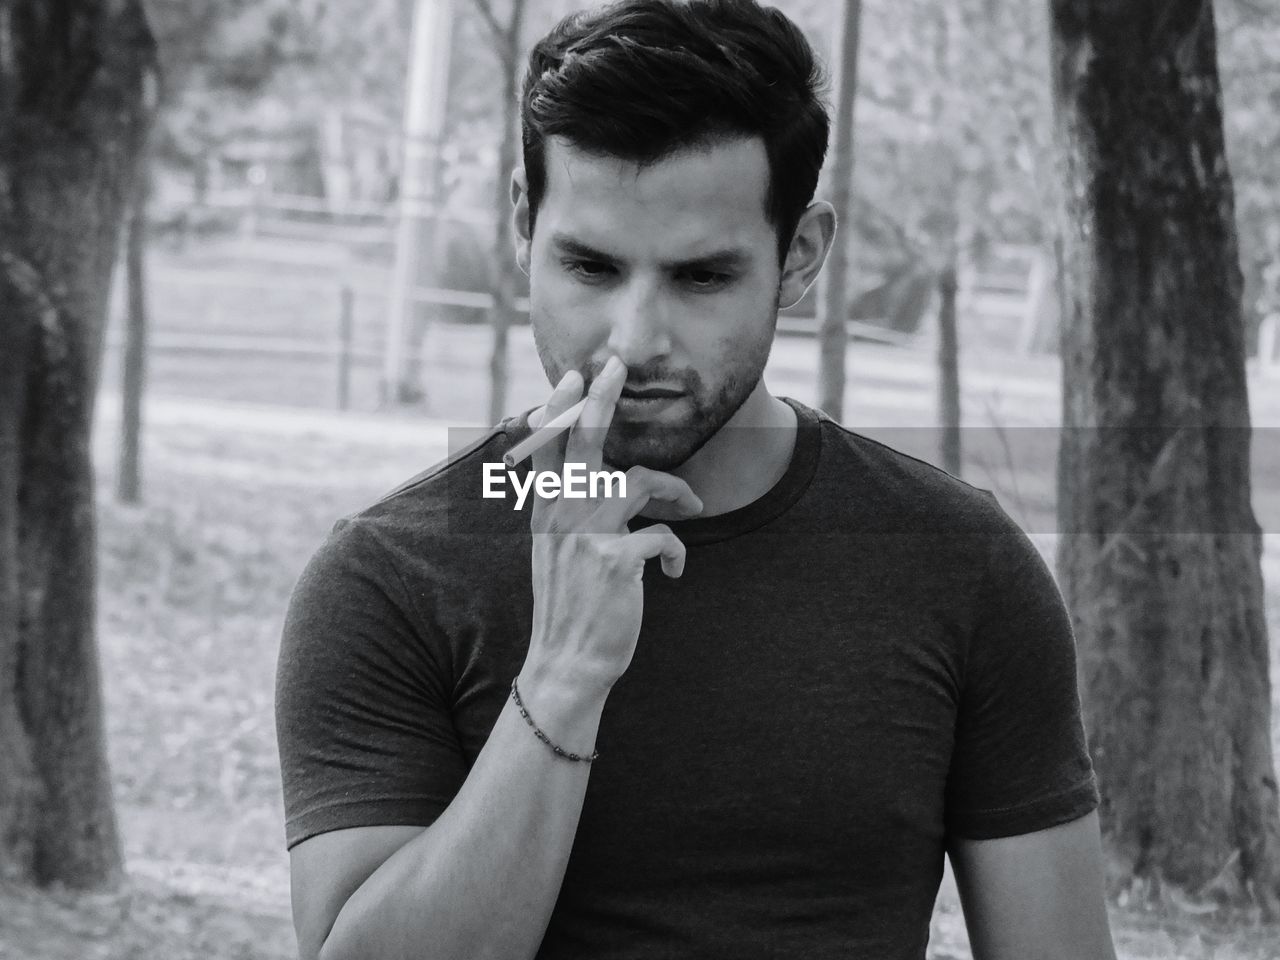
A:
(746, 457)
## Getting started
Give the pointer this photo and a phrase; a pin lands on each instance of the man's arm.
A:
(479, 882)
(482, 880)
(1038, 896)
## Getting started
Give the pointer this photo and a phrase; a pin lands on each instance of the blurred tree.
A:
(953, 119)
(220, 59)
(507, 46)
(208, 50)
(1160, 558)
(77, 87)
(949, 122)
(134, 366)
(833, 296)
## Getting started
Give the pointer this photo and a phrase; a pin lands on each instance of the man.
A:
(843, 664)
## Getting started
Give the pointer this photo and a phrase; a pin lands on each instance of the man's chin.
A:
(658, 448)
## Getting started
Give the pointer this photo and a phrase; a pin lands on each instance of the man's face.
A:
(674, 268)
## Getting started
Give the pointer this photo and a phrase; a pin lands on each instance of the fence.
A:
(333, 317)
(1007, 300)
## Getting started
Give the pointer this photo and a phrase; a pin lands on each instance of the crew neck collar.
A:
(784, 493)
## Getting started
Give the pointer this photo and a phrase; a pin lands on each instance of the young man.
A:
(844, 663)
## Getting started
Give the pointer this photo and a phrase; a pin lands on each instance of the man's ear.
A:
(520, 218)
(808, 251)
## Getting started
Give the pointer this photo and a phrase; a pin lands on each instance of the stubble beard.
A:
(666, 446)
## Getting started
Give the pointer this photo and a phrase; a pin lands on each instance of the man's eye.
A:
(588, 269)
(707, 279)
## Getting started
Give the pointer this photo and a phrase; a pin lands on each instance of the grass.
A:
(193, 588)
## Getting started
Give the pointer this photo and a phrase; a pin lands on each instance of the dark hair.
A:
(641, 79)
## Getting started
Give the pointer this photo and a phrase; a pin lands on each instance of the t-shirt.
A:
(867, 659)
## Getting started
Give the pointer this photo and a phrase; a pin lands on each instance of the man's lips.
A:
(651, 393)
(648, 403)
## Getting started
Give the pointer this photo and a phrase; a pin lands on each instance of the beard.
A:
(665, 446)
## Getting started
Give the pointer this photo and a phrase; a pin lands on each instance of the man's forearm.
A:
(482, 880)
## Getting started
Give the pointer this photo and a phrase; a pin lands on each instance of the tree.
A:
(134, 367)
(507, 48)
(980, 108)
(1160, 558)
(207, 51)
(833, 297)
(950, 127)
(77, 86)
(951, 118)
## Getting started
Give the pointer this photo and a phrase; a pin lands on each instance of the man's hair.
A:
(642, 79)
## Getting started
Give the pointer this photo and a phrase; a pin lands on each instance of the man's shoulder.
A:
(877, 475)
(469, 450)
(872, 487)
(444, 500)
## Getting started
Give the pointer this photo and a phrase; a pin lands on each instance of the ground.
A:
(194, 585)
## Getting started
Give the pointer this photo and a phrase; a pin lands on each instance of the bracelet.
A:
(515, 693)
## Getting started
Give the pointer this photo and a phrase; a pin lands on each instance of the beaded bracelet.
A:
(515, 693)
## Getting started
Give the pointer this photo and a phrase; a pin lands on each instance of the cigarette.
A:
(544, 434)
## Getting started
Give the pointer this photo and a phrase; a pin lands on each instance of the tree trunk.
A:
(503, 284)
(1160, 562)
(134, 373)
(947, 118)
(949, 365)
(76, 88)
(833, 296)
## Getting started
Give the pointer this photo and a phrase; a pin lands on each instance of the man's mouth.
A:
(649, 403)
(651, 393)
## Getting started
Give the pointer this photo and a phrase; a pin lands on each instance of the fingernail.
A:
(613, 366)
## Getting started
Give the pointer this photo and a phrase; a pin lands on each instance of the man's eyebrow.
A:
(727, 258)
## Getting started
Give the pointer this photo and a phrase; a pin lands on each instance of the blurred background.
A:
(315, 282)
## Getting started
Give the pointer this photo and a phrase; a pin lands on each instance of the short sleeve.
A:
(1020, 761)
(362, 702)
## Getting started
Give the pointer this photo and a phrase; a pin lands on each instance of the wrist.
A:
(564, 689)
(563, 714)
(542, 735)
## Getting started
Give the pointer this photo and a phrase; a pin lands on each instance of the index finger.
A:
(567, 392)
(586, 439)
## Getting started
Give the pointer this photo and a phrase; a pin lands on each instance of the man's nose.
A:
(638, 328)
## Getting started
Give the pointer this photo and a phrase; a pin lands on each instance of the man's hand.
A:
(587, 567)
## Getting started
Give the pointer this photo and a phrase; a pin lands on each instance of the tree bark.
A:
(503, 283)
(833, 295)
(1160, 561)
(134, 372)
(76, 88)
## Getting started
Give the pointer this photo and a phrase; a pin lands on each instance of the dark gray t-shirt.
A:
(867, 659)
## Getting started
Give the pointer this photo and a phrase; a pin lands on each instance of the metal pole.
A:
(423, 127)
